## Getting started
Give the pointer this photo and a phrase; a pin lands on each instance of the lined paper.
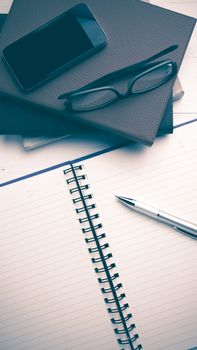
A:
(157, 265)
(49, 297)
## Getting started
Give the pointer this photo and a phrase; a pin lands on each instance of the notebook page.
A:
(157, 265)
(49, 295)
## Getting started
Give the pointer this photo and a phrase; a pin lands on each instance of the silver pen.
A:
(183, 226)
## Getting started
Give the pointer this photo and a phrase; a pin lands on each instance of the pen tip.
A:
(126, 200)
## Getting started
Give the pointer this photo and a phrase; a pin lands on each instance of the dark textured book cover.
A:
(18, 118)
(2, 20)
(137, 118)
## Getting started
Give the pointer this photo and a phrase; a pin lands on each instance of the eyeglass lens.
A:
(92, 100)
(152, 79)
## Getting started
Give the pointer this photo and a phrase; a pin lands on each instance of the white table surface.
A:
(15, 161)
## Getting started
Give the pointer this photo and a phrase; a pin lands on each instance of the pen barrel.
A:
(145, 209)
(177, 223)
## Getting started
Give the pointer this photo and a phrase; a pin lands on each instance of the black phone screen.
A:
(38, 55)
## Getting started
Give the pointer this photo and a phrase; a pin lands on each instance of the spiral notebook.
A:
(80, 272)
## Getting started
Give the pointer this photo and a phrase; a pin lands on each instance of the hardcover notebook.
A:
(80, 271)
(2, 20)
(137, 118)
(19, 118)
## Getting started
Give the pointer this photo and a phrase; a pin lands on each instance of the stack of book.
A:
(137, 118)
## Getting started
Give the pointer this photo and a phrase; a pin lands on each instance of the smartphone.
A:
(55, 46)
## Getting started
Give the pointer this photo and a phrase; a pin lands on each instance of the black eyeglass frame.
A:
(117, 94)
(142, 65)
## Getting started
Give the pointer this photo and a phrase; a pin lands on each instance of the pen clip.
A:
(192, 235)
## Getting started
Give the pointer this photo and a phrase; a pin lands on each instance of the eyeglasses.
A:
(95, 95)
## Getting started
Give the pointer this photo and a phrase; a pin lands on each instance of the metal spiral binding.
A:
(99, 249)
